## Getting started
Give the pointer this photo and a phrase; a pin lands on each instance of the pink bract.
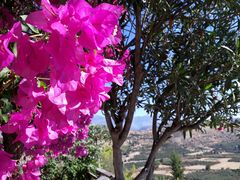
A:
(7, 165)
(6, 56)
(65, 78)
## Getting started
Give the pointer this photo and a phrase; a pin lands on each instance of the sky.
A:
(138, 112)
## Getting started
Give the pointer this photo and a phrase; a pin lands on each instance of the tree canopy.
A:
(184, 68)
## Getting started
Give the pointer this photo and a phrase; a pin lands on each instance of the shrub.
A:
(106, 158)
(208, 167)
(177, 167)
(129, 173)
(69, 167)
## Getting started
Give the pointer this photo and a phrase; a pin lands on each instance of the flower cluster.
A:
(65, 78)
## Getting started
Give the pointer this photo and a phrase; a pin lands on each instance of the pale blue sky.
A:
(139, 112)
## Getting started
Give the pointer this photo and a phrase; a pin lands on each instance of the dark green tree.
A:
(184, 71)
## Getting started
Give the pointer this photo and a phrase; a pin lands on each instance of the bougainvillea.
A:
(64, 79)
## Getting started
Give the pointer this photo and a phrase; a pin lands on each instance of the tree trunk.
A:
(117, 162)
(151, 171)
(150, 174)
(151, 158)
(147, 168)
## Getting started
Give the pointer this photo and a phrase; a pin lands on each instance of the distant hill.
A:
(139, 122)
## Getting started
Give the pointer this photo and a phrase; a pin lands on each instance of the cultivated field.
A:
(216, 151)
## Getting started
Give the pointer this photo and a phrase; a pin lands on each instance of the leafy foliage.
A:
(67, 167)
(188, 54)
(189, 74)
(217, 174)
(9, 83)
(106, 158)
(128, 173)
(177, 167)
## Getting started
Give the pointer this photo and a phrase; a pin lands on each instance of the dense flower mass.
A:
(65, 78)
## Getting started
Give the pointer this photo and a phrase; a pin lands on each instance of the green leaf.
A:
(238, 45)
(23, 17)
(7, 106)
(14, 49)
(24, 27)
(213, 34)
(4, 72)
(42, 84)
(233, 96)
(33, 29)
(208, 86)
(5, 118)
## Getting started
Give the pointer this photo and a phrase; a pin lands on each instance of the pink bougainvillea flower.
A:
(114, 70)
(65, 76)
(66, 62)
(105, 20)
(81, 151)
(7, 165)
(57, 119)
(17, 122)
(52, 18)
(32, 58)
(31, 170)
(95, 27)
(6, 55)
(98, 31)
(29, 95)
(28, 136)
(44, 18)
(45, 132)
(221, 128)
